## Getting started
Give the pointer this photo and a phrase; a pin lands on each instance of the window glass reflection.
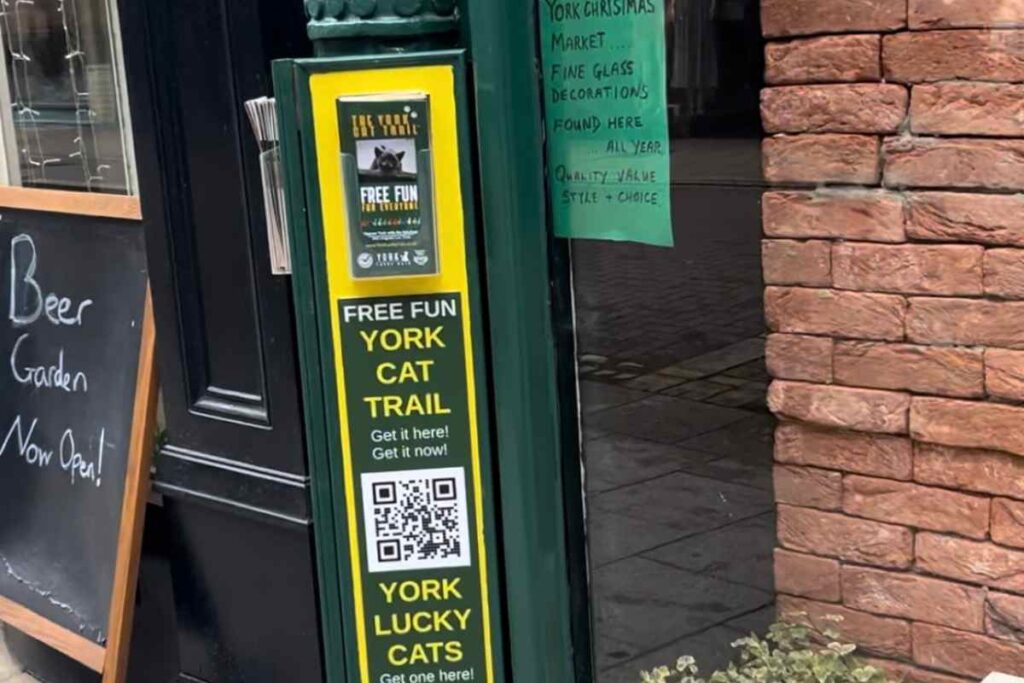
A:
(678, 440)
(65, 116)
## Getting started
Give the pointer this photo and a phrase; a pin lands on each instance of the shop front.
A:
(534, 342)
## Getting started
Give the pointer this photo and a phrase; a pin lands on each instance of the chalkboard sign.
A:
(76, 407)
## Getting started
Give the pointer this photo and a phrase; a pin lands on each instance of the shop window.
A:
(65, 120)
(677, 435)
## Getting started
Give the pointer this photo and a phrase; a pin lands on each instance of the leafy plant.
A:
(789, 653)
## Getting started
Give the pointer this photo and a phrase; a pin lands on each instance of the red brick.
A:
(966, 321)
(986, 564)
(863, 215)
(1004, 373)
(833, 535)
(970, 470)
(908, 268)
(806, 575)
(872, 454)
(1004, 273)
(968, 109)
(968, 424)
(835, 313)
(946, 371)
(960, 217)
(1004, 617)
(796, 17)
(862, 410)
(800, 357)
(825, 158)
(964, 653)
(843, 108)
(954, 55)
(954, 162)
(1008, 522)
(905, 673)
(829, 59)
(808, 487)
(918, 506)
(791, 262)
(926, 14)
(919, 598)
(881, 635)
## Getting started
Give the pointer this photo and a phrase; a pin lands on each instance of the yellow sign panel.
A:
(406, 390)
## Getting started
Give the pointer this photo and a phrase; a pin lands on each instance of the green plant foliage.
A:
(790, 653)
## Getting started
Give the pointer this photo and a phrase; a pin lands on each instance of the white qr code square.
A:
(416, 519)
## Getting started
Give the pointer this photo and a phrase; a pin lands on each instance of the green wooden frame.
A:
(291, 78)
(536, 421)
(535, 430)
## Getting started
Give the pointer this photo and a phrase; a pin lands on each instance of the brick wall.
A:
(894, 259)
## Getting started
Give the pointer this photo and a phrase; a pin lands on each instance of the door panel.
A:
(232, 470)
(223, 380)
(227, 319)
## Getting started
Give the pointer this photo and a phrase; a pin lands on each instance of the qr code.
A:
(416, 519)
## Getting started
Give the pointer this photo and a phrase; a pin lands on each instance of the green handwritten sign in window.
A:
(607, 125)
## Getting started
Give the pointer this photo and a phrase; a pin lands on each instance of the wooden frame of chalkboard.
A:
(111, 660)
(127, 207)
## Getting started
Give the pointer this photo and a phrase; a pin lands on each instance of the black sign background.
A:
(59, 523)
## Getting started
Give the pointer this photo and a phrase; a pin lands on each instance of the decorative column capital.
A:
(339, 19)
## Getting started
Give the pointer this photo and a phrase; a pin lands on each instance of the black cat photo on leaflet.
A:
(387, 161)
(387, 166)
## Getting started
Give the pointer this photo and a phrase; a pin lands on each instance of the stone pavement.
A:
(678, 441)
(10, 671)
(680, 514)
(656, 306)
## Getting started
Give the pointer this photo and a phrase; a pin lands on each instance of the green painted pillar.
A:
(340, 27)
(521, 334)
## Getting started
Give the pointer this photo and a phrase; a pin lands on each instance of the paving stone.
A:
(613, 537)
(726, 379)
(755, 370)
(653, 382)
(621, 460)
(750, 438)
(756, 622)
(594, 485)
(685, 502)
(712, 648)
(609, 652)
(752, 395)
(699, 390)
(725, 358)
(648, 604)
(665, 419)
(597, 396)
(735, 470)
(740, 553)
(685, 374)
